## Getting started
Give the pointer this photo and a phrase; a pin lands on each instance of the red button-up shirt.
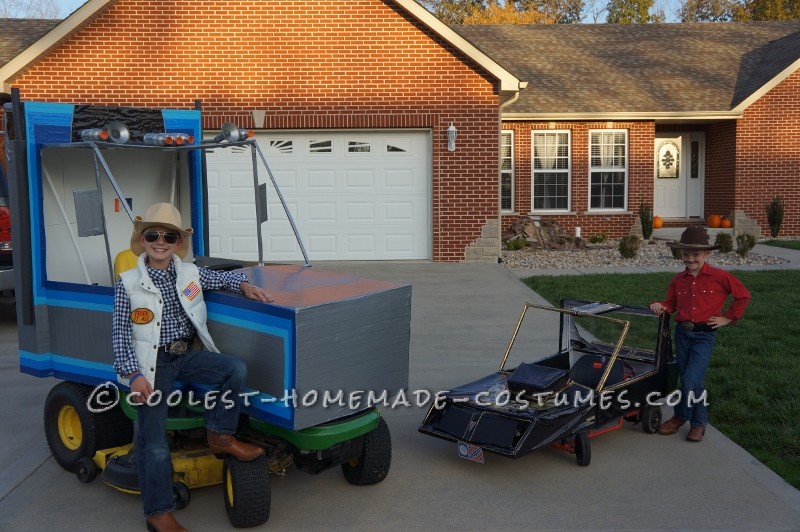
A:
(698, 298)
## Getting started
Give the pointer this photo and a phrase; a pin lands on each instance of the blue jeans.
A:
(693, 352)
(226, 375)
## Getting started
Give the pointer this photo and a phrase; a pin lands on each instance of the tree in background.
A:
(616, 11)
(557, 11)
(633, 12)
(707, 10)
(47, 9)
(767, 10)
(453, 11)
(507, 13)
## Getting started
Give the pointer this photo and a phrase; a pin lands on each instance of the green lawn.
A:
(790, 244)
(754, 377)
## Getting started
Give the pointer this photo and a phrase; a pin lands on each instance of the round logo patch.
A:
(140, 316)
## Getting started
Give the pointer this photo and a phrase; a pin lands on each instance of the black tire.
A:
(583, 449)
(86, 470)
(246, 490)
(373, 464)
(651, 418)
(181, 495)
(73, 431)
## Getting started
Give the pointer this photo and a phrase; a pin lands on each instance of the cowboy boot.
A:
(164, 523)
(227, 444)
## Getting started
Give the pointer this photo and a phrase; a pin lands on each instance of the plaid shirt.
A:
(175, 323)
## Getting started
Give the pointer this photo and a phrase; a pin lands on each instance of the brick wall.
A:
(322, 64)
(720, 185)
(768, 156)
(640, 176)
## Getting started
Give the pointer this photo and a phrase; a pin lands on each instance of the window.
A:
(608, 169)
(507, 171)
(551, 170)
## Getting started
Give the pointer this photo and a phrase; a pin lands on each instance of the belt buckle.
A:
(178, 347)
(688, 325)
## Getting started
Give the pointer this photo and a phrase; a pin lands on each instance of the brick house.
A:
(694, 119)
(352, 101)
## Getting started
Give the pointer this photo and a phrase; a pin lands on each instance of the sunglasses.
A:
(169, 238)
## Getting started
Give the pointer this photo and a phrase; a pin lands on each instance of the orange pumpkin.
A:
(726, 223)
(714, 220)
(658, 223)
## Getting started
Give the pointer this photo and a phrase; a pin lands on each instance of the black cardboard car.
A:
(568, 374)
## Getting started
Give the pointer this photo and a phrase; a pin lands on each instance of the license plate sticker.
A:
(470, 452)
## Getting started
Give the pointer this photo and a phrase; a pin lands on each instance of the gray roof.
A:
(638, 68)
(16, 34)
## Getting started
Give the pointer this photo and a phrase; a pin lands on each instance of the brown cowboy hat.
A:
(162, 215)
(694, 238)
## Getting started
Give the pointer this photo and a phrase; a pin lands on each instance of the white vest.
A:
(147, 307)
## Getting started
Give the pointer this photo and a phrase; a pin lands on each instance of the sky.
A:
(66, 7)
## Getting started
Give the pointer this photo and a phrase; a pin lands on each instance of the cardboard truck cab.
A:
(327, 335)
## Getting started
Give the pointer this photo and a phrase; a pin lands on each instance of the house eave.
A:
(62, 30)
(659, 117)
(750, 100)
(509, 83)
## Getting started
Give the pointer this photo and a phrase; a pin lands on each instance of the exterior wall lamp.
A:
(452, 132)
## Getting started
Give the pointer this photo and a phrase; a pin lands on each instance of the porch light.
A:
(452, 132)
(94, 134)
(231, 133)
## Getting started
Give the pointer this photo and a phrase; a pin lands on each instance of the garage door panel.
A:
(354, 196)
(359, 212)
(400, 180)
(359, 180)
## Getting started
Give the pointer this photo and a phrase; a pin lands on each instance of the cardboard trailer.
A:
(316, 355)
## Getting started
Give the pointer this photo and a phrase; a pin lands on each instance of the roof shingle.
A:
(638, 68)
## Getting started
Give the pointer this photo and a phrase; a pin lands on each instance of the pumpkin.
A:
(714, 220)
(726, 223)
(658, 223)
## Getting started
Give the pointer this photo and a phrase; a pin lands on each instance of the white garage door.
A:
(354, 195)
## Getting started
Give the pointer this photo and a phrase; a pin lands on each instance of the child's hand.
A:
(657, 308)
(718, 321)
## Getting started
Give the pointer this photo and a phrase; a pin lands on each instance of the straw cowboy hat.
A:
(162, 215)
(693, 238)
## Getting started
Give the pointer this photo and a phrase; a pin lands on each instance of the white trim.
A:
(512, 171)
(568, 208)
(610, 210)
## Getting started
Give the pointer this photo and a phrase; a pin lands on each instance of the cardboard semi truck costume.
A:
(315, 356)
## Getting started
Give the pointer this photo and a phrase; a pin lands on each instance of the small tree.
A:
(629, 246)
(646, 217)
(775, 216)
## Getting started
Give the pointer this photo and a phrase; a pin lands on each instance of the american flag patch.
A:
(473, 453)
(191, 291)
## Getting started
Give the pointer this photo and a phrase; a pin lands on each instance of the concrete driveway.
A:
(462, 317)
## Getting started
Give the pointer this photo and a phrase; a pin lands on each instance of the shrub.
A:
(629, 246)
(598, 238)
(725, 242)
(646, 217)
(676, 253)
(775, 216)
(516, 244)
(744, 243)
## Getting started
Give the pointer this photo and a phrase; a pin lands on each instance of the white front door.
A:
(669, 198)
(679, 175)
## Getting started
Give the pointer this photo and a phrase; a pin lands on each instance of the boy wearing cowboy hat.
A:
(159, 311)
(697, 296)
